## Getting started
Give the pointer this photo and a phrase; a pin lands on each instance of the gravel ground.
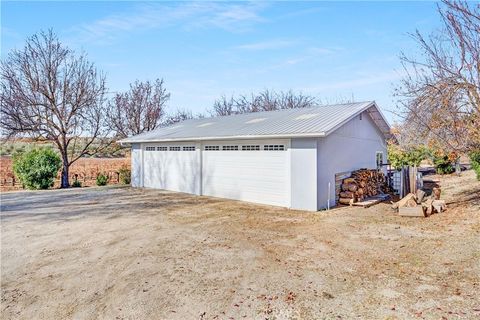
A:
(122, 253)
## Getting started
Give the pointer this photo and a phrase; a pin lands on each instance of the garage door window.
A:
(250, 148)
(174, 148)
(162, 149)
(189, 148)
(274, 147)
(230, 148)
(150, 148)
(212, 148)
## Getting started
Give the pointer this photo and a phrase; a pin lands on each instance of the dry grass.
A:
(120, 253)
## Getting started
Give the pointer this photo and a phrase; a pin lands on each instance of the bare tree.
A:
(291, 100)
(440, 93)
(49, 92)
(180, 115)
(138, 110)
(223, 107)
(266, 100)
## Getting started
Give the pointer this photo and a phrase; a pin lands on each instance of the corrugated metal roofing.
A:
(315, 121)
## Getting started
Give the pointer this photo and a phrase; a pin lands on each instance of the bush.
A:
(37, 168)
(443, 164)
(399, 157)
(125, 175)
(76, 184)
(475, 160)
(102, 179)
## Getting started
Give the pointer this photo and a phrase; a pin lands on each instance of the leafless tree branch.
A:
(140, 109)
(47, 91)
(440, 94)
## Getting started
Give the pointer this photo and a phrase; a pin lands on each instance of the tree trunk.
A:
(65, 171)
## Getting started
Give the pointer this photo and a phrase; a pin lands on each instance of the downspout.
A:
(328, 197)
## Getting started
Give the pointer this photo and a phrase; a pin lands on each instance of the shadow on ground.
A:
(73, 203)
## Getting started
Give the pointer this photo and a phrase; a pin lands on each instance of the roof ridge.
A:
(317, 120)
(286, 109)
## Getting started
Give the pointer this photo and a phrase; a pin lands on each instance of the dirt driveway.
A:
(121, 253)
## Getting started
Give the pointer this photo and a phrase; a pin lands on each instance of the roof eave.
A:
(237, 137)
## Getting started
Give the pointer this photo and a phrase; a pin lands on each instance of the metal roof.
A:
(316, 121)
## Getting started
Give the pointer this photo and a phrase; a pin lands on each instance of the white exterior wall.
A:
(303, 164)
(350, 147)
(136, 165)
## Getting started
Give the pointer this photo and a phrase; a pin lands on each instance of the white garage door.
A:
(249, 171)
(171, 167)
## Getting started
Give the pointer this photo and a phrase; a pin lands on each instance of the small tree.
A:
(138, 110)
(37, 168)
(265, 100)
(49, 92)
(413, 156)
(440, 94)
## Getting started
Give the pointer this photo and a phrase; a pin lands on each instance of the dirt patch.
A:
(122, 253)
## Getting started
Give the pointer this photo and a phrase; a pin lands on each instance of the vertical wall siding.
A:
(352, 146)
(136, 166)
(303, 163)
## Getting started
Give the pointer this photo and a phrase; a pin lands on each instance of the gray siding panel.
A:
(137, 162)
(352, 146)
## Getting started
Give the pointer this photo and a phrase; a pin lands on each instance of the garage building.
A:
(285, 158)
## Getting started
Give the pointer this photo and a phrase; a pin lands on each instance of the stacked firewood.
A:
(363, 183)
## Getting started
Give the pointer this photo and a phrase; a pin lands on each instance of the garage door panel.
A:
(256, 176)
(171, 170)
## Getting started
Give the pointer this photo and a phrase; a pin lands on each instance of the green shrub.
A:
(475, 160)
(399, 157)
(125, 175)
(102, 179)
(76, 184)
(443, 164)
(37, 168)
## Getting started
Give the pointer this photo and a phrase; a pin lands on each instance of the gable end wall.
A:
(350, 147)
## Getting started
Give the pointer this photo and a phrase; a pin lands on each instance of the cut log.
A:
(403, 201)
(411, 203)
(347, 194)
(349, 180)
(352, 187)
(428, 207)
(439, 205)
(420, 195)
(436, 193)
(346, 201)
(417, 211)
